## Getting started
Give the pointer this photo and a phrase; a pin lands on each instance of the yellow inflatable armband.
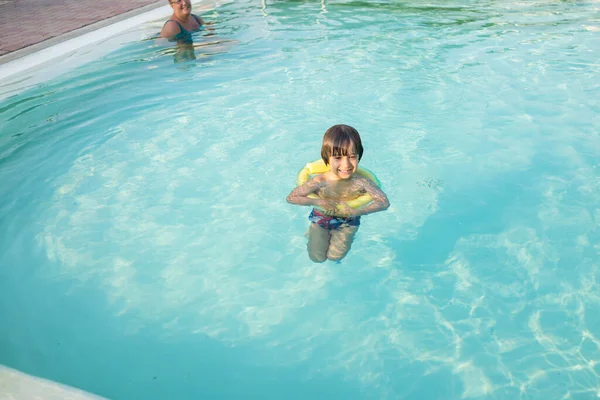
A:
(318, 167)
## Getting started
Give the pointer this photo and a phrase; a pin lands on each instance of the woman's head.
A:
(341, 140)
(181, 8)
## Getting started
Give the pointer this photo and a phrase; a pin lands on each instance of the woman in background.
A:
(180, 27)
(182, 23)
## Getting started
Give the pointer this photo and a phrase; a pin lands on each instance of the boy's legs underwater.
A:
(341, 241)
(334, 244)
(318, 242)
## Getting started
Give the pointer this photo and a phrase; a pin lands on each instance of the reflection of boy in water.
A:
(334, 223)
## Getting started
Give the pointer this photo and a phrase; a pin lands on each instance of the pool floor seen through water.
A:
(147, 250)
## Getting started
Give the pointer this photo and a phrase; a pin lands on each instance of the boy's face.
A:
(344, 166)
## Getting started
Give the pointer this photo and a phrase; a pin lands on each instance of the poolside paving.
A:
(36, 24)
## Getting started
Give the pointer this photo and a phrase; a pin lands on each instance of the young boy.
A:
(334, 223)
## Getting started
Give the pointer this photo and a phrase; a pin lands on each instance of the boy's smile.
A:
(343, 167)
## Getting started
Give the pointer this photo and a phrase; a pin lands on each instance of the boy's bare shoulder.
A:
(360, 180)
(319, 178)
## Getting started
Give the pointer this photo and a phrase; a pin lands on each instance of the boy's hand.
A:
(334, 207)
(345, 210)
(328, 206)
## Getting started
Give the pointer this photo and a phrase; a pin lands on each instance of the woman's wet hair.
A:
(341, 140)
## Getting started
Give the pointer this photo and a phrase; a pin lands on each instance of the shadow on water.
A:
(476, 211)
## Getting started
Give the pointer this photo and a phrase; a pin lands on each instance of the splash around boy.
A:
(333, 223)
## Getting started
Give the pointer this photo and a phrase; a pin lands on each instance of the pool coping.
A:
(21, 68)
(34, 48)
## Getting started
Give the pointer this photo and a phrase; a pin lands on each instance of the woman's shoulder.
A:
(198, 19)
(170, 28)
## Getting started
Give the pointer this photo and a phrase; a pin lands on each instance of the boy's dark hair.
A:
(338, 139)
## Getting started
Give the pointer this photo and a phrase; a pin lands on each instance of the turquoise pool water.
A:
(147, 251)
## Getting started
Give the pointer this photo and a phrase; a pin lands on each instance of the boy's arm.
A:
(300, 197)
(300, 194)
(380, 201)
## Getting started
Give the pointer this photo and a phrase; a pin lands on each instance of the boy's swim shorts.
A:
(329, 222)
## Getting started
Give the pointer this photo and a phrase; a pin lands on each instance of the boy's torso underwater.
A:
(341, 190)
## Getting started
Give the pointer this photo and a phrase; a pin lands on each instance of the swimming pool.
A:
(147, 250)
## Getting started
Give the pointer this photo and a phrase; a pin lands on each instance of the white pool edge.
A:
(16, 385)
(49, 62)
(58, 50)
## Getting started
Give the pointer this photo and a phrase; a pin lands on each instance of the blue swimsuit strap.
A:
(181, 28)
